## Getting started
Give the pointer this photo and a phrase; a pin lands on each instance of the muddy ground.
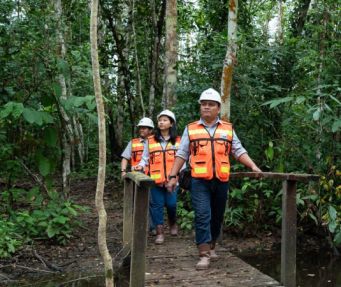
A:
(81, 256)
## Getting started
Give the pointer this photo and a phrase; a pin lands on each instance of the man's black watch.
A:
(171, 176)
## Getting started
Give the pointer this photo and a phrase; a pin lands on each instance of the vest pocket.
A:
(223, 170)
(221, 147)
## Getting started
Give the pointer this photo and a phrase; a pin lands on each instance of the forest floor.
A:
(80, 257)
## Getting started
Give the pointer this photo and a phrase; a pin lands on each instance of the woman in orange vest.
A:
(159, 153)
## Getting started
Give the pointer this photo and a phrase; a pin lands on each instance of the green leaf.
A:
(300, 100)
(51, 231)
(336, 125)
(337, 238)
(78, 101)
(57, 89)
(316, 115)
(61, 219)
(332, 212)
(44, 165)
(32, 116)
(12, 108)
(93, 118)
(47, 118)
(332, 226)
(50, 137)
(276, 102)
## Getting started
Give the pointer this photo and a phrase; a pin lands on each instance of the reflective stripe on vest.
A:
(210, 155)
(136, 153)
(161, 160)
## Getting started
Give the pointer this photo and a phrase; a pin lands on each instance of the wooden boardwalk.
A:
(173, 264)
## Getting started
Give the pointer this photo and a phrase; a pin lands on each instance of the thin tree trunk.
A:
(320, 98)
(157, 28)
(79, 138)
(169, 85)
(102, 215)
(68, 136)
(280, 22)
(230, 59)
(138, 74)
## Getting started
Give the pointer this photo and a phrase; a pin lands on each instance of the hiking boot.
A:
(213, 254)
(174, 229)
(160, 237)
(204, 263)
(204, 253)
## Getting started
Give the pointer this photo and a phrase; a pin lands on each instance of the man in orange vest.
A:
(133, 151)
(207, 144)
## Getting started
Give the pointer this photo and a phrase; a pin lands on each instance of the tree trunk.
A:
(138, 74)
(157, 28)
(68, 135)
(320, 98)
(102, 215)
(230, 59)
(169, 85)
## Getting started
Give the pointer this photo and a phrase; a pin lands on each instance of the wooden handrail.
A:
(289, 218)
(136, 203)
(300, 177)
(135, 213)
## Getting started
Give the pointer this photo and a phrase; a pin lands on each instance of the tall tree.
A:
(169, 85)
(68, 137)
(230, 59)
(102, 215)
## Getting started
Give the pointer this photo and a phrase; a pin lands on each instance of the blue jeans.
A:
(209, 199)
(160, 198)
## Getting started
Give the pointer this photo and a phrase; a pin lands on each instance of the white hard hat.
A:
(146, 122)
(210, 95)
(167, 113)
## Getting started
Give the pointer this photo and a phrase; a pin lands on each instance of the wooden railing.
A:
(289, 218)
(136, 198)
(135, 213)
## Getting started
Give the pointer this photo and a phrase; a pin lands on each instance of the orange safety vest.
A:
(210, 154)
(161, 160)
(136, 153)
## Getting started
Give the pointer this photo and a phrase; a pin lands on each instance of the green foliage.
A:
(32, 217)
(253, 203)
(10, 240)
(185, 213)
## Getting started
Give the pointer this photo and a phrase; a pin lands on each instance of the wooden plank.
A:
(128, 210)
(140, 179)
(276, 175)
(139, 240)
(288, 244)
(173, 264)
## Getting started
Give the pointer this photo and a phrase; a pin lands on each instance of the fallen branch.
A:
(32, 269)
(35, 177)
(46, 263)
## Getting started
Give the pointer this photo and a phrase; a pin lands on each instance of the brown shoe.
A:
(160, 237)
(174, 229)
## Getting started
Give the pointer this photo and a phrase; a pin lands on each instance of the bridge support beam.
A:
(288, 242)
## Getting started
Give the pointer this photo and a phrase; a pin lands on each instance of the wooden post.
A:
(128, 210)
(139, 240)
(288, 244)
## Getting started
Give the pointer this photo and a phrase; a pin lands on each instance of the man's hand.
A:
(123, 173)
(171, 184)
(255, 168)
(137, 168)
